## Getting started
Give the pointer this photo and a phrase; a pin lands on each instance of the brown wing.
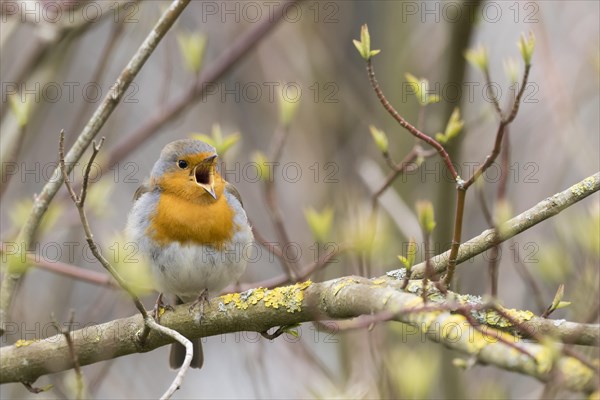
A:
(145, 188)
(229, 188)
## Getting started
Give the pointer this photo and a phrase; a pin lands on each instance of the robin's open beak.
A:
(204, 175)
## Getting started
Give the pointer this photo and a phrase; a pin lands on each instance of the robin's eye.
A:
(182, 164)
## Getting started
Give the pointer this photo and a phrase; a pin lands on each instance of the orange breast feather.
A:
(178, 220)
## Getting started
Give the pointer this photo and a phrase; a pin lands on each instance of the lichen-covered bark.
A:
(260, 309)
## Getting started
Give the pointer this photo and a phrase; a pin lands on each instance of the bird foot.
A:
(160, 307)
(201, 300)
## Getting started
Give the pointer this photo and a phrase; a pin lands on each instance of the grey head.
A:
(176, 150)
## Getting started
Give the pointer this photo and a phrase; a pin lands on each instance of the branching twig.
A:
(406, 165)
(79, 201)
(500, 132)
(149, 322)
(406, 125)
(463, 186)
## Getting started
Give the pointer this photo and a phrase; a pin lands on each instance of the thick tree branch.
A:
(261, 309)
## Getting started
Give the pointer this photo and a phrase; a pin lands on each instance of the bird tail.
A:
(178, 351)
(178, 355)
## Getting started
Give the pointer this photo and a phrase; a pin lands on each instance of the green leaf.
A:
(380, 138)
(263, 166)
(216, 139)
(453, 127)
(320, 223)
(192, 47)
(404, 262)
(421, 90)
(477, 57)
(563, 304)
(364, 45)
(433, 98)
(21, 108)
(455, 124)
(359, 47)
(526, 46)
(417, 87)
(426, 215)
(560, 292)
(411, 254)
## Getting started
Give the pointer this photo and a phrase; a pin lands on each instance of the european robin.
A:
(191, 228)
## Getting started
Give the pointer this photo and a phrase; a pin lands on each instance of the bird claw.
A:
(158, 306)
(201, 300)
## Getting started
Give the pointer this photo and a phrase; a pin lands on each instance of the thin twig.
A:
(462, 186)
(258, 236)
(456, 236)
(69, 270)
(527, 330)
(305, 272)
(525, 274)
(406, 125)
(33, 389)
(397, 169)
(149, 322)
(50, 35)
(500, 198)
(189, 353)
(66, 332)
(495, 102)
(517, 102)
(428, 267)
(80, 204)
(500, 132)
(493, 333)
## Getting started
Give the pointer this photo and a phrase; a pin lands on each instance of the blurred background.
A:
(60, 58)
